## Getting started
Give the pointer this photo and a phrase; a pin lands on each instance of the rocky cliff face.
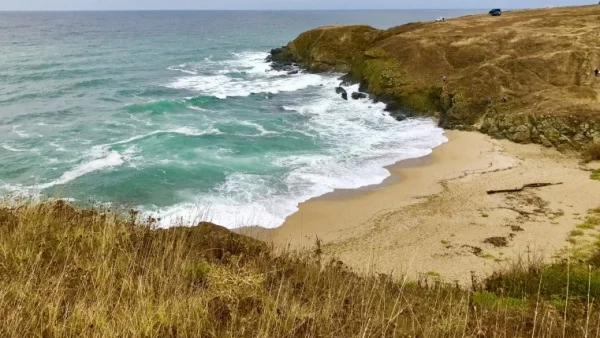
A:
(527, 76)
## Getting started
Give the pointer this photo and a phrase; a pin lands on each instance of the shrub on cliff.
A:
(592, 152)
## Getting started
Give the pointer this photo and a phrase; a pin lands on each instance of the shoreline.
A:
(265, 234)
(404, 175)
(394, 178)
(433, 216)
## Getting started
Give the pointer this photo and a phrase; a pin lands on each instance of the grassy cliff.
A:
(67, 272)
(542, 61)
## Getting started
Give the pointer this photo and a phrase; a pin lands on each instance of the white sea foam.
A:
(197, 108)
(99, 158)
(217, 78)
(103, 157)
(9, 148)
(181, 68)
(360, 140)
(57, 146)
(188, 131)
(222, 86)
(14, 149)
(259, 128)
(20, 133)
(287, 108)
(130, 156)
(252, 63)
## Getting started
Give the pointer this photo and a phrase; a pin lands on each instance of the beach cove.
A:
(433, 214)
(446, 185)
(514, 115)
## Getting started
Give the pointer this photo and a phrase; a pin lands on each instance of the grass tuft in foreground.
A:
(87, 273)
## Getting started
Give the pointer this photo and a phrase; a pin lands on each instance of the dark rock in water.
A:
(347, 80)
(282, 54)
(281, 59)
(397, 111)
(293, 72)
(340, 90)
(363, 87)
(359, 95)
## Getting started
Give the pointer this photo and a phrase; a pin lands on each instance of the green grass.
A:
(577, 233)
(433, 274)
(595, 175)
(588, 224)
(488, 256)
(525, 281)
(489, 299)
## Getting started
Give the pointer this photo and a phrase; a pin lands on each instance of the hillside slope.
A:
(542, 61)
(69, 272)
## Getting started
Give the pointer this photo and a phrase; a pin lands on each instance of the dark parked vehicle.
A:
(496, 12)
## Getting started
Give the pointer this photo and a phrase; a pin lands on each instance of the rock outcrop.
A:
(281, 59)
(527, 76)
(359, 95)
(343, 92)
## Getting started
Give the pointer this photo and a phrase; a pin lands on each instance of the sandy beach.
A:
(433, 215)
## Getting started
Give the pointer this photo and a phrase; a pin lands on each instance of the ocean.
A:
(178, 115)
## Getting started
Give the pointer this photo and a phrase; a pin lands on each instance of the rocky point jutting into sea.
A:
(527, 76)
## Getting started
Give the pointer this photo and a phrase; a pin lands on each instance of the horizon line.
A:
(237, 10)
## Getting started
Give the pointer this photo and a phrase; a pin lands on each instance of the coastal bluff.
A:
(527, 76)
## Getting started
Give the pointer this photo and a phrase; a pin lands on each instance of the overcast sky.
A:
(272, 4)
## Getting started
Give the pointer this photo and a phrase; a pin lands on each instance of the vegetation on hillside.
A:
(69, 272)
(592, 152)
(527, 76)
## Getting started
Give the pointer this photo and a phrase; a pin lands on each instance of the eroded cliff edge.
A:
(527, 76)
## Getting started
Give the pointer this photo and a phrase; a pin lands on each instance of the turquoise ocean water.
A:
(179, 115)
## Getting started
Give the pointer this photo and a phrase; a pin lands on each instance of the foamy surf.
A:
(360, 140)
(100, 158)
(223, 86)
(13, 149)
(219, 78)
(201, 147)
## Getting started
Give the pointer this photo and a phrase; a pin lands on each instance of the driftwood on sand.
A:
(530, 185)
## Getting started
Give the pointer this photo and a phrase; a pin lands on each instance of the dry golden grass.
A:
(86, 273)
(541, 60)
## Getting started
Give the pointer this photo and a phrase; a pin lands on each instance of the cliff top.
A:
(541, 60)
